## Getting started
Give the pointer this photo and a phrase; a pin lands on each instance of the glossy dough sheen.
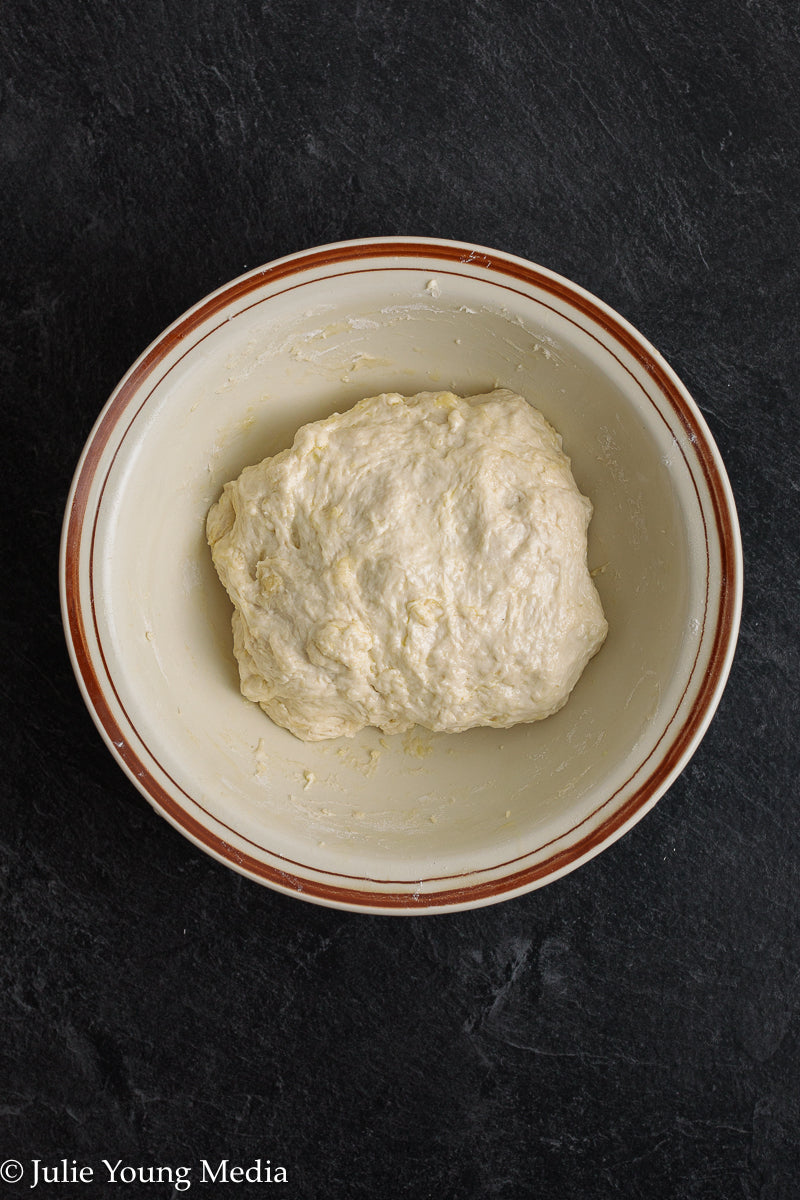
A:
(415, 560)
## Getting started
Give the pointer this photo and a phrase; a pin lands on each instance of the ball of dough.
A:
(415, 560)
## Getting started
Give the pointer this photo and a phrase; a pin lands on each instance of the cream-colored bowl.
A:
(428, 822)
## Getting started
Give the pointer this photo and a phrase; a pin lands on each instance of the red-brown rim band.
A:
(298, 878)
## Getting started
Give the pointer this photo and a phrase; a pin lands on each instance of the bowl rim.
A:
(684, 740)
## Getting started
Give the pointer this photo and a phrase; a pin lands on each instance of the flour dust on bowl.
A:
(415, 822)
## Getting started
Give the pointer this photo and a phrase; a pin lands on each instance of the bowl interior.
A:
(409, 809)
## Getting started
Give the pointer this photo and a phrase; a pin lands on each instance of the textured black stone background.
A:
(629, 1031)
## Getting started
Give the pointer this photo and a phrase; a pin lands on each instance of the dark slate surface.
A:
(629, 1031)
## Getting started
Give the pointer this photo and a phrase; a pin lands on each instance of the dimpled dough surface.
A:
(415, 560)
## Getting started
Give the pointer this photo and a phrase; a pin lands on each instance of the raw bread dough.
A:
(415, 560)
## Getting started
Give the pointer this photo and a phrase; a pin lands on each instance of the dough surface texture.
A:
(415, 560)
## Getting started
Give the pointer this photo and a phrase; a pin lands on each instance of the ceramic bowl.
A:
(410, 823)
